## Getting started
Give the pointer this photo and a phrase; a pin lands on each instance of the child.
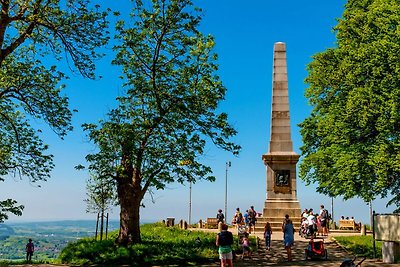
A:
(246, 246)
(267, 235)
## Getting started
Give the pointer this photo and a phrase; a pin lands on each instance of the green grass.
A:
(360, 245)
(22, 262)
(160, 245)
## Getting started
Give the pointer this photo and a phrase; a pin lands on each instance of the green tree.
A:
(352, 137)
(34, 36)
(168, 113)
(101, 197)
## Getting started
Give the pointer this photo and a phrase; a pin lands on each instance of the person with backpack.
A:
(252, 219)
(224, 242)
(238, 219)
(324, 217)
(220, 216)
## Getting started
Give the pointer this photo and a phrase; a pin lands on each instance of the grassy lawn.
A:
(360, 245)
(160, 245)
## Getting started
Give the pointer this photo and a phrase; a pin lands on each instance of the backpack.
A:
(252, 216)
(239, 217)
(325, 214)
(220, 217)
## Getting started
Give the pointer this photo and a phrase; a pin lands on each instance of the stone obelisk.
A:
(281, 160)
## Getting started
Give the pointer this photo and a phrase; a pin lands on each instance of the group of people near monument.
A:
(224, 240)
(313, 224)
(247, 220)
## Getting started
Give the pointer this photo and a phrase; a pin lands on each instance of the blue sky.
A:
(245, 33)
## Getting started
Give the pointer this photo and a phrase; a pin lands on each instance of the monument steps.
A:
(276, 223)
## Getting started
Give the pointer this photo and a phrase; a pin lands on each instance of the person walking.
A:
(246, 246)
(224, 242)
(29, 248)
(267, 235)
(288, 236)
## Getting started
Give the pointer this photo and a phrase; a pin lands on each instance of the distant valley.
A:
(49, 237)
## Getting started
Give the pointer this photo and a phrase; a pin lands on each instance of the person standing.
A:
(324, 217)
(252, 219)
(224, 242)
(29, 248)
(312, 225)
(220, 216)
(238, 219)
(267, 235)
(288, 236)
(246, 219)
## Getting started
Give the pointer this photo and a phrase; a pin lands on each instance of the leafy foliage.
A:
(34, 34)
(159, 131)
(100, 193)
(9, 206)
(351, 139)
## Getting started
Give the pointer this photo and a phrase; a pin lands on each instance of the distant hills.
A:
(6, 231)
(49, 237)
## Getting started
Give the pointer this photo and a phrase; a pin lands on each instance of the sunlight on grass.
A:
(360, 245)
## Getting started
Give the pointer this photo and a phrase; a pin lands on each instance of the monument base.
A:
(275, 210)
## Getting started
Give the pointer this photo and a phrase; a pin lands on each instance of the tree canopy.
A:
(35, 36)
(159, 131)
(352, 137)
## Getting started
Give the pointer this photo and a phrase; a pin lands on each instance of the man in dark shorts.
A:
(324, 217)
(30, 248)
(252, 219)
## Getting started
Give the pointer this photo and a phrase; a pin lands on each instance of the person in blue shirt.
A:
(288, 236)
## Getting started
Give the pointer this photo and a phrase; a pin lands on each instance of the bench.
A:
(347, 224)
(211, 223)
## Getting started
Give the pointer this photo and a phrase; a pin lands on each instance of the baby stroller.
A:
(305, 232)
(315, 250)
(350, 263)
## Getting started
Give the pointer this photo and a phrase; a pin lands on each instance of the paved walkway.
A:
(277, 255)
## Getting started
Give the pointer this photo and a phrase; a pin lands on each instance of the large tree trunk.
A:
(129, 200)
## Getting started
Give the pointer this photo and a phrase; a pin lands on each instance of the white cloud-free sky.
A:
(245, 32)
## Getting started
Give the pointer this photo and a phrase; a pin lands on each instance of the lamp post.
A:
(332, 215)
(227, 165)
(190, 202)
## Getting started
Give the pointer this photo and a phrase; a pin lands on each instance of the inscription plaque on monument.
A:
(282, 181)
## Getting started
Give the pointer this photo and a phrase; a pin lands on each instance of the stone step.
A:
(276, 223)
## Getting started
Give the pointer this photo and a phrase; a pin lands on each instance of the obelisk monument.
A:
(281, 160)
